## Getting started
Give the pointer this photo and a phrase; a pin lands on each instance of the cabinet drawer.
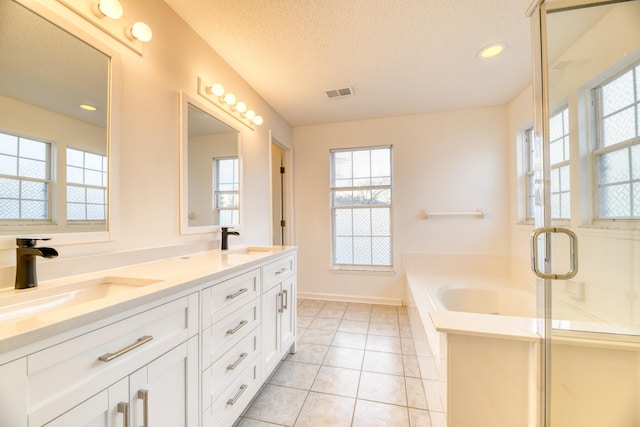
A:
(224, 298)
(277, 271)
(80, 367)
(229, 366)
(228, 406)
(227, 332)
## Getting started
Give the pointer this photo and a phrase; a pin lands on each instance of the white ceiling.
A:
(401, 57)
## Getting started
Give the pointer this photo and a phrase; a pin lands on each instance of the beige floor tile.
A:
(415, 393)
(349, 340)
(338, 381)
(405, 331)
(374, 414)
(304, 321)
(386, 329)
(419, 418)
(358, 306)
(362, 316)
(382, 388)
(336, 304)
(310, 311)
(384, 363)
(383, 343)
(384, 317)
(408, 347)
(314, 303)
(300, 301)
(324, 410)
(438, 419)
(341, 357)
(353, 326)
(325, 323)
(248, 422)
(411, 367)
(295, 375)
(309, 353)
(317, 336)
(334, 313)
(278, 405)
(384, 308)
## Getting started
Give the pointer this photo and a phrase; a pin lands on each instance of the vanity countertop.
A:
(22, 325)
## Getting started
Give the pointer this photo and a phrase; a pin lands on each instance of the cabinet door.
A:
(271, 301)
(165, 392)
(105, 409)
(288, 321)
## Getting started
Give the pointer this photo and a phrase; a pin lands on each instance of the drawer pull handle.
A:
(123, 408)
(237, 362)
(237, 328)
(233, 400)
(285, 299)
(281, 271)
(240, 292)
(144, 396)
(110, 356)
(280, 306)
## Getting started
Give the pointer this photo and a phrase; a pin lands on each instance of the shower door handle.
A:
(573, 253)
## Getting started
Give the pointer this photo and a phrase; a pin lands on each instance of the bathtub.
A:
(478, 349)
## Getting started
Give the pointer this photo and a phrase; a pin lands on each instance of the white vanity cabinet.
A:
(80, 381)
(278, 311)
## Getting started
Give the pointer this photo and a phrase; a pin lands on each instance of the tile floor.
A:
(355, 365)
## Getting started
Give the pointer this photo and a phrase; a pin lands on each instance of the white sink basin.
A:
(250, 250)
(18, 304)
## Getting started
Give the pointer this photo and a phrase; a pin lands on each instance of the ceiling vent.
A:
(339, 93)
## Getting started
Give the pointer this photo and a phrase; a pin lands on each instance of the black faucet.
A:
(225, 237)
(26, 254)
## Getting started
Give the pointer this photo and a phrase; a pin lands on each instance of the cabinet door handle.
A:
(237, 362)
(281, 271)
(123, 408)
(108, 357)
(233, 400)
(237, 328)
(240, 292)
(144, 396)
(285, 299)
(281, 305)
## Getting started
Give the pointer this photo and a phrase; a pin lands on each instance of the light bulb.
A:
(229, 98)
(250, 114)
(241, 107)
(110, 8)
(258, 120)
(217, 89)
(141, 31)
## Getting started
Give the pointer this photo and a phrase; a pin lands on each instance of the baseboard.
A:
(350, 298)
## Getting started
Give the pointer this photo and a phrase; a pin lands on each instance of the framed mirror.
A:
(54, 125)
(210, 169)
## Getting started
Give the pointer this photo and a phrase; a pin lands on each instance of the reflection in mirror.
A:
(53, 127)
(212, 169)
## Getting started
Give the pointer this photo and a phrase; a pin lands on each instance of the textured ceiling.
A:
(401, 57)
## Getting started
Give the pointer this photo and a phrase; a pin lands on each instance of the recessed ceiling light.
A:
(492, 50)
(88, 107)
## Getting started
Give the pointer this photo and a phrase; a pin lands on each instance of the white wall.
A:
(146, 172)
(442, 162)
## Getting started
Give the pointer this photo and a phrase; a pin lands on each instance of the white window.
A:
(361, 207)
(617, 145)
(528, 150)
(226, 191)
(559, 158)
(25, 179)
(86, 186)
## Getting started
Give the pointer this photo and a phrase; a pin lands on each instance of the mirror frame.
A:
(75, 25)
(185, 228)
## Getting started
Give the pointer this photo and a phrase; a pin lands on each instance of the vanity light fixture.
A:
(228, 102)
(492, 50)
(110, 8)
(140, 31)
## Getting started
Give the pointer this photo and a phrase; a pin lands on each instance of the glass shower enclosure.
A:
(586, 247)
